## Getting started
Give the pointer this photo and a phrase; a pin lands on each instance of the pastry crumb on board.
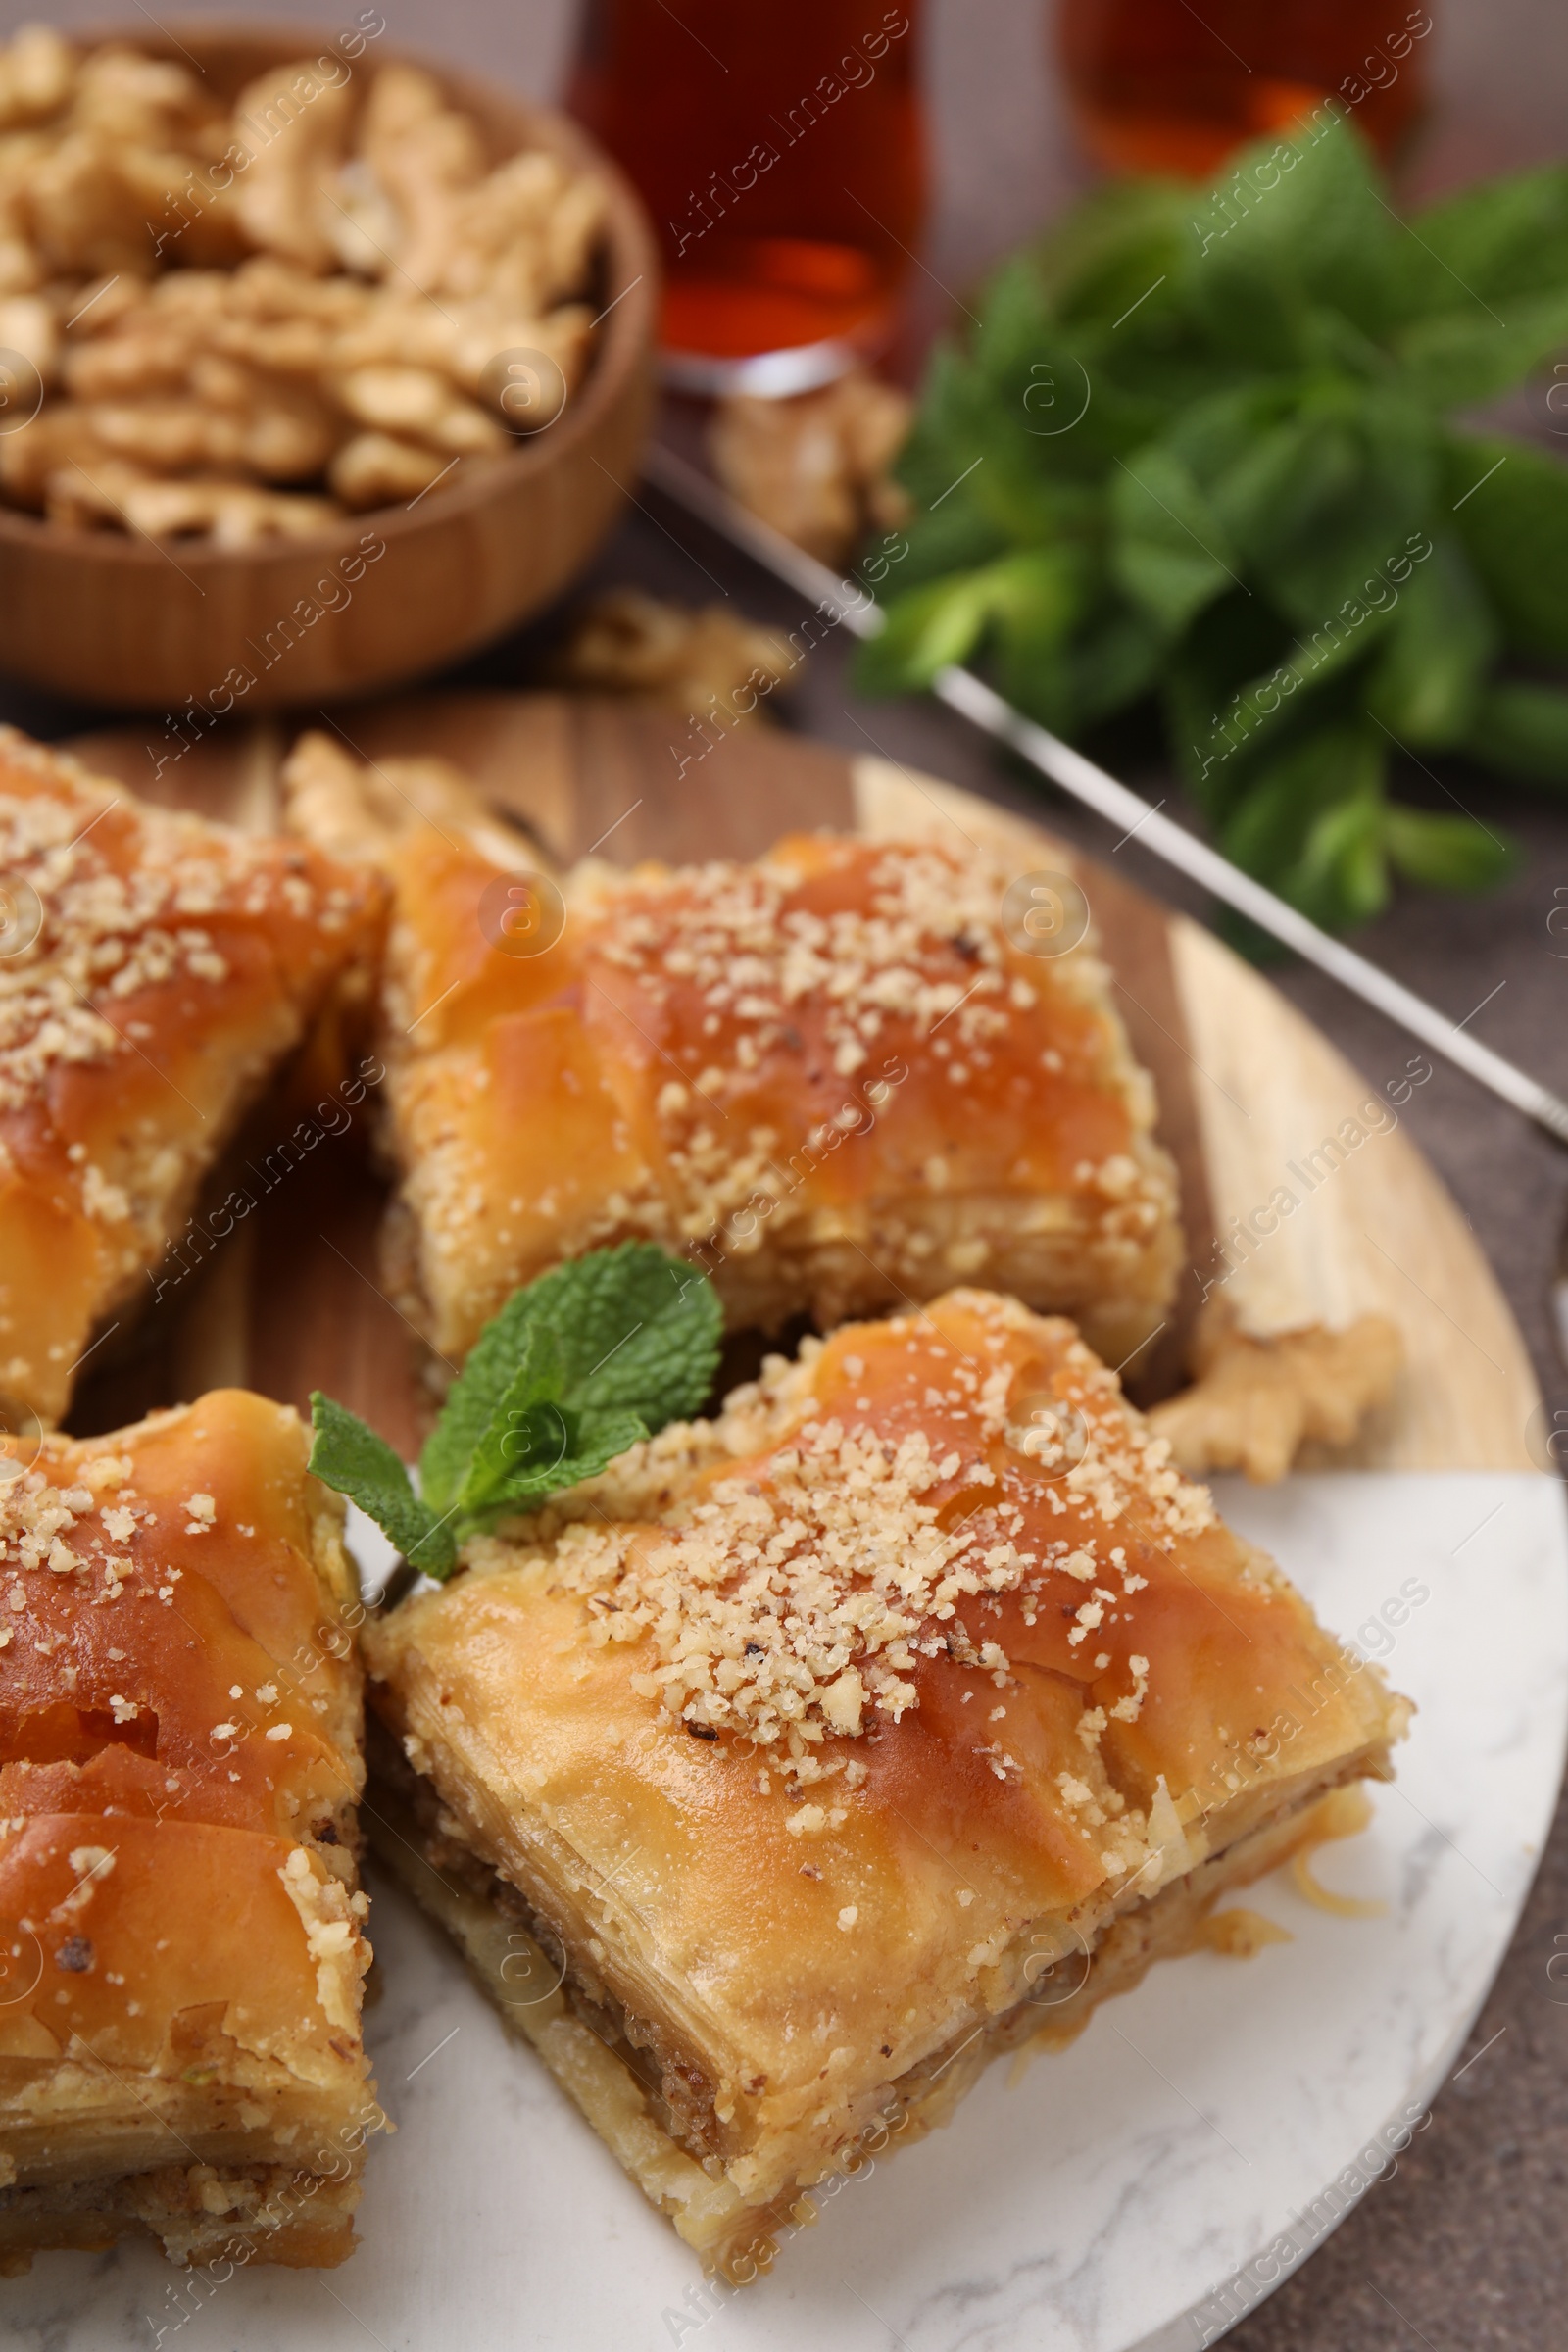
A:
(1256, 1402)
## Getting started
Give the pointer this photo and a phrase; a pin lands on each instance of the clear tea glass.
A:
(1160, 86)
(780, 152)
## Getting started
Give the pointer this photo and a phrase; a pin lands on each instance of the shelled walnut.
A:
(238, 323)
(818, 467)
(625, 642)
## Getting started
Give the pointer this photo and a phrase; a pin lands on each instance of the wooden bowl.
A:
(121, 619)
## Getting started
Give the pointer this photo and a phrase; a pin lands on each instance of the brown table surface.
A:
(1466, 2248)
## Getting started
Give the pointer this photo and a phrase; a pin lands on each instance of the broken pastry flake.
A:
(1256, 1402)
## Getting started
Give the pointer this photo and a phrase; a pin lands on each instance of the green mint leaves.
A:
(575, 1368)
(349, 1456)
(1201, 453)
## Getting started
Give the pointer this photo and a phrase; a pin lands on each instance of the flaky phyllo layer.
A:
(154, 971)
(180, 1917)
(812, 1736)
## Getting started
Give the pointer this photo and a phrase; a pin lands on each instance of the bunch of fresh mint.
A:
(575, 1367)
(1203, 449)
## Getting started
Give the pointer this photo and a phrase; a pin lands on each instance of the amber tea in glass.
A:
(1160, 86)
(780, 152)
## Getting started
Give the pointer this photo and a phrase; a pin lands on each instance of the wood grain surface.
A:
(1256, 1106)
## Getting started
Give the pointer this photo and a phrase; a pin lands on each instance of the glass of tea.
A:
(781, 155)
(1160, 86)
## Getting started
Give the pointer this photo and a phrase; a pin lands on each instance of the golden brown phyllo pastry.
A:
(779, 1777)
(155, 970)
(834, 1078)
(181, 1941)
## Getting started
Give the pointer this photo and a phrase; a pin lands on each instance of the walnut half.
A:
(817, 467)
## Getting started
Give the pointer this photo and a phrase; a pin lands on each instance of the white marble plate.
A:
(1142, 2190)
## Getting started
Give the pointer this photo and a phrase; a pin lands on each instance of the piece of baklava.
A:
(154, 971)
(778, 1778)
(181, 1938)
(837, 1079)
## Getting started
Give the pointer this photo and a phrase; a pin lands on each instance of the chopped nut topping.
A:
(791, 1591)
(113, 881)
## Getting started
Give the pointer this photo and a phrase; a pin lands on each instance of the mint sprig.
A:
(1210, 454)
(575, 1368)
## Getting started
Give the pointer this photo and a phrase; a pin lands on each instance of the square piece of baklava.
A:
(779, 1777)
(182, 1926)
(837, 1079)
(154, 971)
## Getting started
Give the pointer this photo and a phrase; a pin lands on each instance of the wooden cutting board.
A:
(1255, 1106)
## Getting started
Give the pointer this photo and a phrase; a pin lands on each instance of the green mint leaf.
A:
(1213, 435)
(926, 628)
(557, 1451)
(630, 1330)
(1310, 825)
(1502, 238)
(1469, 354)
(956, 537)
(527, 1427)
(1302, 212)
(1444, 852)
(1319, 505)
(576, 1367)
(1314, 685)
(1282, 504)
(1030, 601)
(1510, 505)
(507, 1345)
(1250, 311)
(1072, 685)
(1111, 249)
(1036, 600)
(954, 424)
(1522, 729)
(1170, 553)
(1341, 878)
(348, 1455)
(1425, 681)
(637, 1330)
(1207, 684)
(1111, 665)
(971, 447)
